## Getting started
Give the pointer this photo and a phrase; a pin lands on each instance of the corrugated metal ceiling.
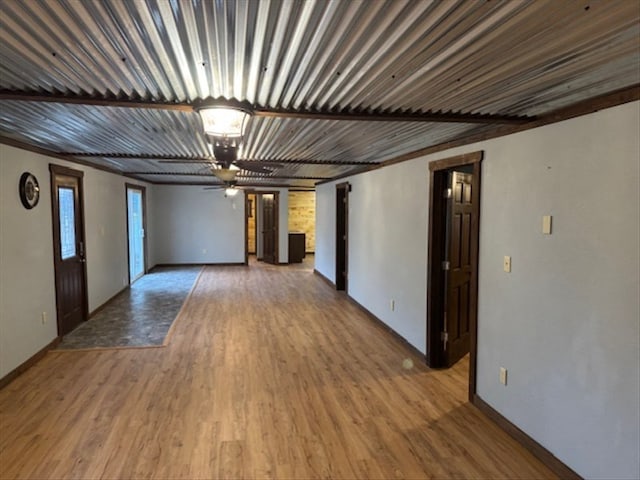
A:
(467, 57)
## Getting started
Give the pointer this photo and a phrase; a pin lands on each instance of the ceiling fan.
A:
(227, 165)
(224, 123)
(230, 188)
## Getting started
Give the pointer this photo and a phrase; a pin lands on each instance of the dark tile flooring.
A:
(140, 316)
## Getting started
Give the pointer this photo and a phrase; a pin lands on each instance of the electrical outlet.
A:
(546, 224)
(392, 305)
(503, 376)
(44, 317)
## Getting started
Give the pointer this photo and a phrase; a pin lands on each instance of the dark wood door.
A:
(269, 229)
(69, 248)
(342, 229)
(460, 268)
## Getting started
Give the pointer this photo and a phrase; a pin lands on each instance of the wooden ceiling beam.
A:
(258, 111)
(394, 116)
(242, 176)
(197, 159)
(23, 96)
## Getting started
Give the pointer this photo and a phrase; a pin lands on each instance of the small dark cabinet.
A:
(296, 247)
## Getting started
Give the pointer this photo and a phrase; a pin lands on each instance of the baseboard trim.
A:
(101, 307)
(221, 264)
(325, 279)
(379, 323)
(541, 453)
(30, 362)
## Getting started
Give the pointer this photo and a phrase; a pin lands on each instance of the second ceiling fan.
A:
(227, 165)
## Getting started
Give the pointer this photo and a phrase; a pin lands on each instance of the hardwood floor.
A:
(268, 373)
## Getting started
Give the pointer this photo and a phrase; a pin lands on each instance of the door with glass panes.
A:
(69, 248)
(135, 229)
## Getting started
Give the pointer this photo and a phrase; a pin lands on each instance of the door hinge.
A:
(445, 265)
(448, 193)
(444, 336)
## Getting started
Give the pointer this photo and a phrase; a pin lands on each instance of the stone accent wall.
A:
(302, 216)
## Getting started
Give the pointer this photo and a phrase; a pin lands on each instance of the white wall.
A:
(150, 227)
(566, 321)
(283, 225)
(325, 256)
(27, 286)
(26, 262)
(193, 225)
(106, 235)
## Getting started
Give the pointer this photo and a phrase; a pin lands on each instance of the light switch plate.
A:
(507, 264)
(503, 375)
(546, 224)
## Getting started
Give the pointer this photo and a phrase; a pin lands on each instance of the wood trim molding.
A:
(324, 278)
(221, 264)
(402, 116)
(101, 307)
(585, 107)
(457, 161)
(189, 159)
(545, 456)
(386, 328)
(143, 190)
(262, 111)
(344, 208)
(50, 153)
(56, 171)
(435, 287)
(30, 362)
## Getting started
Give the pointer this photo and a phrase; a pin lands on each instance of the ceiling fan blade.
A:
(257, 167)
(207, 162)
(265, 163)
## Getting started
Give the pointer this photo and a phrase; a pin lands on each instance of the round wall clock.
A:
(29, 190)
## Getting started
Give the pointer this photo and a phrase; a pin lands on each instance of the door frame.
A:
(346, 187)
(276, 202)
(246, 228)
(55, 170)
(142, 189)
(436, 287)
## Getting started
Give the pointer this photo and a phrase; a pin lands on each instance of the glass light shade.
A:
(231, 192)
(223, 122)
(226, 174)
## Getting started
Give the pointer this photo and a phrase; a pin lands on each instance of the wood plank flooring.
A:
(268, 373)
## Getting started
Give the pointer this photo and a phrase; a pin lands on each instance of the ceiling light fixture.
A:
(223, 119)
(225, 174)
(231, 192)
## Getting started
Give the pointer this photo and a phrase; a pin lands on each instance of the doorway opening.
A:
(452, 276)
(261, 215)
(302, 223)
(67, 207)
(251, 225)
(136, 226)
(342, 235)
